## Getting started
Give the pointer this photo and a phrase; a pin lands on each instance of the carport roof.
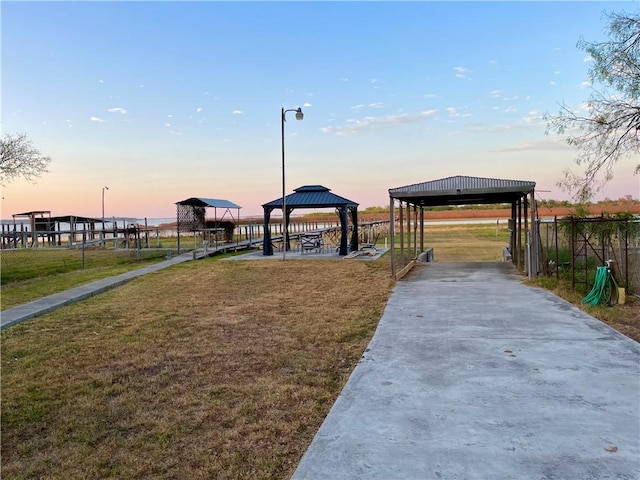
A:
(462, 190)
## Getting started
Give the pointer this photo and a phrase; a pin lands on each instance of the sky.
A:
(164, 101)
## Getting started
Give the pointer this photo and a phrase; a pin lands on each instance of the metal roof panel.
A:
(208, 202)
(311, 196)
(463, 183)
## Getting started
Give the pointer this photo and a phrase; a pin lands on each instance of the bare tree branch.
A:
(611, 128)
(19, 158)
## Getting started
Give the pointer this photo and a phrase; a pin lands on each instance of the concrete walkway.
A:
(473, 375)
(43, 305)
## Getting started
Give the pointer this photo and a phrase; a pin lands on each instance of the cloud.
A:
(307, 105)
(371, 105)
(96, 119)
(495, 93)
(533, 117)
(541, 145)
(528, 122)
(370, 122)
(453, 112)
(117, 110)
(552, 83)
(461, 72)
(198, 109)
(237, 112)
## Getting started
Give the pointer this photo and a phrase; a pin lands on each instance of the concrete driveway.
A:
(473, 375)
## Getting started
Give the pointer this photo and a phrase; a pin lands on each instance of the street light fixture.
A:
(103, 189)
(299, 116)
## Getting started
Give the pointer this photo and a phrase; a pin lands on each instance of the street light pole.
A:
(103, 189)
(285, 237)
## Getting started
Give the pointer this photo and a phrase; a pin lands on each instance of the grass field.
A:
(209, 369)
(28, 274)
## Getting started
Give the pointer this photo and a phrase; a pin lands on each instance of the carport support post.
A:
(401, 225)
(392, 229)
(535, 229)
(408, 228)
(527, 238)
(519, 237)
(421, 229)
(415, 230)
(512, 239)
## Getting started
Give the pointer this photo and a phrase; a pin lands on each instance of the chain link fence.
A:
(573, 248)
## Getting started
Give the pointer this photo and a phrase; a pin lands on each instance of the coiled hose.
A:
(601, 291)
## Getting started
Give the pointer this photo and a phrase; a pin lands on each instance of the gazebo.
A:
(313, 196)
(190, 214)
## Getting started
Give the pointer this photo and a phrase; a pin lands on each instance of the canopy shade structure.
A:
(191, 214)
(208, 202)
(464, 190)
(461, 190)
(313, 196)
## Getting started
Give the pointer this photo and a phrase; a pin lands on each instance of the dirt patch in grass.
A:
(212, 369)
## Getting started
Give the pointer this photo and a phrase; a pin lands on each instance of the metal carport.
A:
(464, 190)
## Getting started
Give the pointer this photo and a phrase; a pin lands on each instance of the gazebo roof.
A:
(311, 196)
(208, 202)
(463, 190)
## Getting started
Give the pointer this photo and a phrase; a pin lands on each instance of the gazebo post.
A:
(267, 247)
(354, 235)
(344, 231)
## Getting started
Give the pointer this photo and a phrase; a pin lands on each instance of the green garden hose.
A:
(601, 291)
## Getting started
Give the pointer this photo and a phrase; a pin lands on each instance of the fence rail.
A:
(573, 248)
(86, 248)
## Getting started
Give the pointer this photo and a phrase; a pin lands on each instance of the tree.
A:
(610, 128)
(19, 158)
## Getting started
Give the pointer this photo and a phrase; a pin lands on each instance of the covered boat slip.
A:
(40, 228)
(407, 206)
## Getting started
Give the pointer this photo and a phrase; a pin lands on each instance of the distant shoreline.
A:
(430, 215)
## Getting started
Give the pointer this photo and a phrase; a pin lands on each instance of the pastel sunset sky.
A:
(162, 101)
